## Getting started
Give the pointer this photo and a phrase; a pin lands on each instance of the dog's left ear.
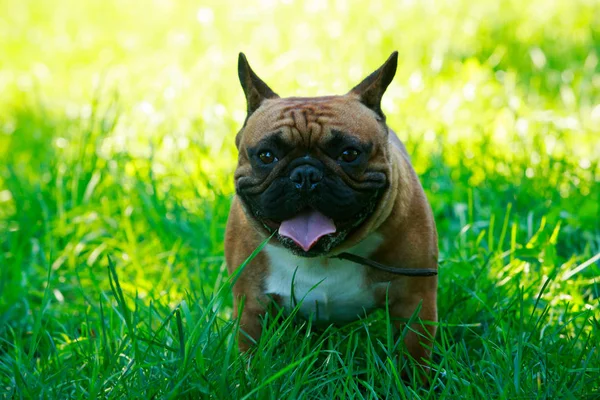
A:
(371, 89)
(254, 88)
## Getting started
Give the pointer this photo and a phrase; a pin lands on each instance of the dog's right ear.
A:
(254, 88)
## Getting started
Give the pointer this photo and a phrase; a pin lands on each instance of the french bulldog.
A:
(322, 176)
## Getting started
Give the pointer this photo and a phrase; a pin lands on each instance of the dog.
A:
(324, 177)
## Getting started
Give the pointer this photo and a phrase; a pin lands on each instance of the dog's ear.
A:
(371, 89)
(254, 88)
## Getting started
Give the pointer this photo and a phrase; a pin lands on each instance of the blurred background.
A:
(117, 121)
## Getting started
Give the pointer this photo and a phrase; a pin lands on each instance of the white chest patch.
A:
(330, 289)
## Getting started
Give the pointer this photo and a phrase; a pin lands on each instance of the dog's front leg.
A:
(419, 336)
(252, 305)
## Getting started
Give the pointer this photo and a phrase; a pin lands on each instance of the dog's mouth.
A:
(306, 228)
(310, 233)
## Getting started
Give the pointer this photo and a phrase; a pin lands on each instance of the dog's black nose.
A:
(306, 176)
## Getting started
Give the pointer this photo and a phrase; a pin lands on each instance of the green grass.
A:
(117, 121)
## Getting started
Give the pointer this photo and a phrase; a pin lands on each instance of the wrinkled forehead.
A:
(312, 120)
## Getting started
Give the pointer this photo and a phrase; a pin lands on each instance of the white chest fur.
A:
(330, 289)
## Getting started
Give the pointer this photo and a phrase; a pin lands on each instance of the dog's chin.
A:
(321, 248)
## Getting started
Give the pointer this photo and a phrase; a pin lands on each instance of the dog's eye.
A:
(349, 155)
(267, 157)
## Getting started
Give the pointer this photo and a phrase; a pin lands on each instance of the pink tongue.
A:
(307, 228)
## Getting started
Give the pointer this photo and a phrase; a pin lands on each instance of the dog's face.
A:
(313, 169)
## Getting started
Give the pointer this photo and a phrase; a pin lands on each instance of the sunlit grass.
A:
(117, 121)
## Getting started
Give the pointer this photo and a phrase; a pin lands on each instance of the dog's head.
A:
(313, 169)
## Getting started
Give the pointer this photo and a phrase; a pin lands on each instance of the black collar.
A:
(383, 267)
